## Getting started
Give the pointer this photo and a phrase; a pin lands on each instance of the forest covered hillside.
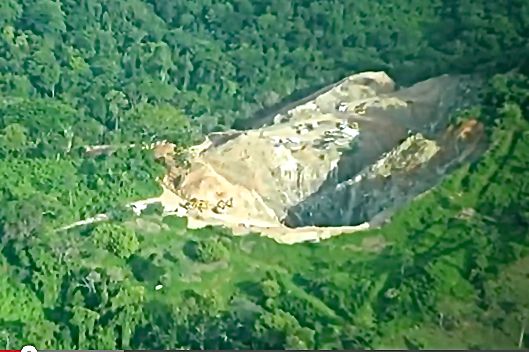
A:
(449, 271)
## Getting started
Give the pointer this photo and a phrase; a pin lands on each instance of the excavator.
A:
(222, 205)
(360, 109)
(198, 204)
(202, 205)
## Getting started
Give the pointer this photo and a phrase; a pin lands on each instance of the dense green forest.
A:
(451, 270)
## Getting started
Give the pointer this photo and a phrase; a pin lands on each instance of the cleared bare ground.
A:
(338, 163)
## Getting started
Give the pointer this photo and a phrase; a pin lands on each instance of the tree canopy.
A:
(453, 269)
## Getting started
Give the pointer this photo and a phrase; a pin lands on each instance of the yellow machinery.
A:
(360, 109)
(222, 205)
(202, 205)
(198, 204)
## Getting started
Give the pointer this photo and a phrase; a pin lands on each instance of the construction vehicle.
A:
(225, 204)
(202, 205)
(360, 109)
(342, 107)
(190, 204)
(198, 204)
(221, 205)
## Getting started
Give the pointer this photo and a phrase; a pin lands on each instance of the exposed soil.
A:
(340, 162)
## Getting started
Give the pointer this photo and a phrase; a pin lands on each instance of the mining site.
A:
(339, 161)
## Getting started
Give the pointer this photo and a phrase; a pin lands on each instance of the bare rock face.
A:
(359, 149)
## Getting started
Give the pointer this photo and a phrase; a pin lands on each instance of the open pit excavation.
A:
(338, 163)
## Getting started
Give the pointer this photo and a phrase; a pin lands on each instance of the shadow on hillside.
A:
(339, 202)
(266, 115)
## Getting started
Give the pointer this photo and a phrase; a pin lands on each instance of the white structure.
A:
(351, 132)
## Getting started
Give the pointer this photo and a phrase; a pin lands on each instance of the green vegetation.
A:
(116, 239)
(451, 270)
(153, 209)
(207, 250)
